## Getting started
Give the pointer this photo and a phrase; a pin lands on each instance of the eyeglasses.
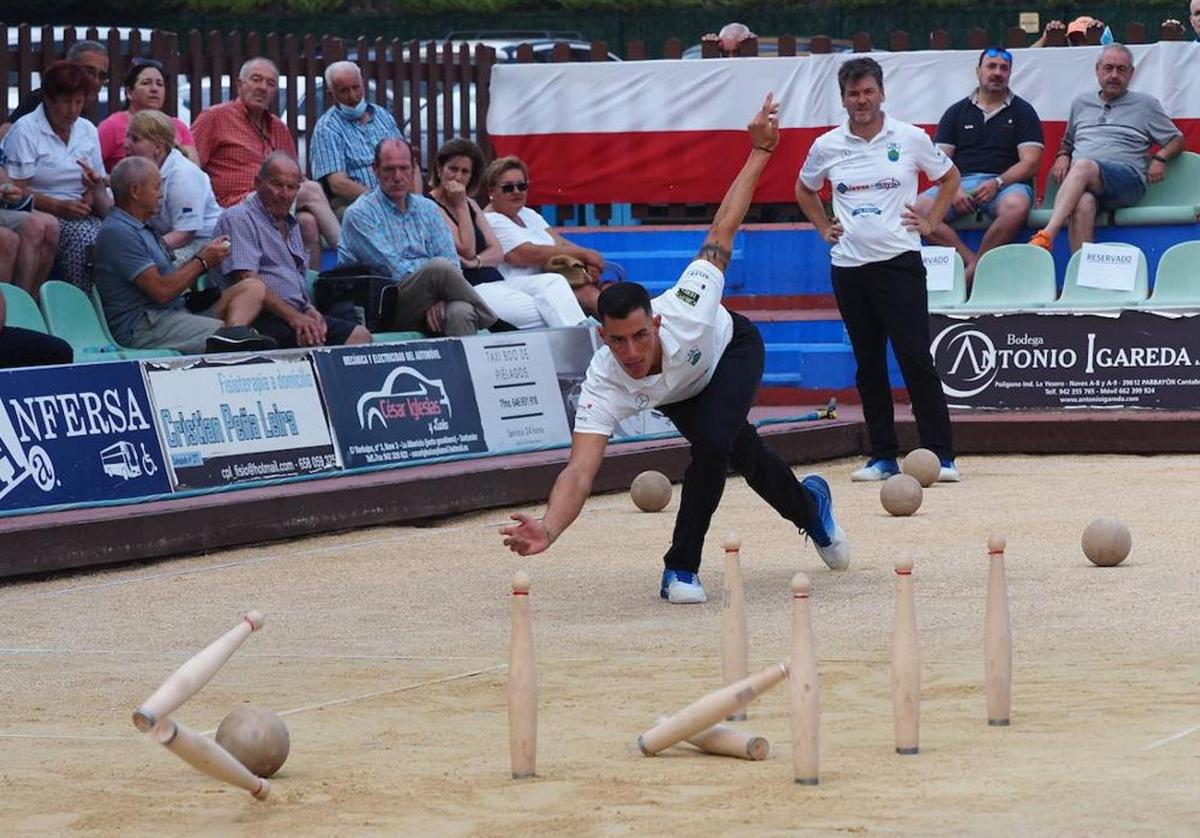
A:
(515, 186)
(96, 74)
(997, 52)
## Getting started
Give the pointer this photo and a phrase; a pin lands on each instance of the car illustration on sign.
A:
(405, 394)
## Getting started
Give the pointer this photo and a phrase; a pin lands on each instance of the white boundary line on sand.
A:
(1187, 731)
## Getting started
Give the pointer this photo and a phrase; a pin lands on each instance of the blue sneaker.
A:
(680, 587)
(830, 540)
(876, 470)
(949, 472)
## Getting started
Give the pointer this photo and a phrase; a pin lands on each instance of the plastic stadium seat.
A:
(127, 352)
(396, 337)
(1013, 276)
(1040, 217)
(22, 311)
(71, 316)
(1173, 200)
(1177, 281)
(957, 294)
(1076, 296)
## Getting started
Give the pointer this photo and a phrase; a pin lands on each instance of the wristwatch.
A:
(1160, 158)
(999, 182)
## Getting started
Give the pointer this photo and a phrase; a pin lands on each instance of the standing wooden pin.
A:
(207, 756)
(906, 663)
(735, 645)
(997, 639)
(522, 684)
(805, 705)
(190, 678)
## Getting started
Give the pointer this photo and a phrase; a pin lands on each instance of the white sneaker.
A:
(681, 588)
(949, 472)
(875, 471)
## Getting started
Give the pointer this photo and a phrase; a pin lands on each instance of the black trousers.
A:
(882, 301)
(714, 422)
(27, 348)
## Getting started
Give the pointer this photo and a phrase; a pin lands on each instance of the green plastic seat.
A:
(21, 310)
(1084, 297)
(1012, 277)
(1177, 280)
(1173, 200)
(127, 352)
(956, 295)
(1039, 217)
(70, 315)
(396, 337)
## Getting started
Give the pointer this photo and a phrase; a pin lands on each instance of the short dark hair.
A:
(499, 166)
(398, 140)
(857, 69)
(66, 78)
(459, 147)
(622, 299)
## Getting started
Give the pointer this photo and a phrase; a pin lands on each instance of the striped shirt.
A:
(232, 145)
(377, 232)
(343, 145)
(258, 247)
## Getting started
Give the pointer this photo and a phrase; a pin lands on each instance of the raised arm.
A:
(764, 136)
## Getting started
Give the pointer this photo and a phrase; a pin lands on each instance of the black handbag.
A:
(366, 287)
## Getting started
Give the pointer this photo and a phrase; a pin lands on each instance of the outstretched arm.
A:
(764, 136)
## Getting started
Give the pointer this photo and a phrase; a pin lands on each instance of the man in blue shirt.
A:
(995, 139)
(405, 233)
(345, 137)
(143, 293)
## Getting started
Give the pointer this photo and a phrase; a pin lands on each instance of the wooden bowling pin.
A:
(706, 711)
(906, 663)
(522, 683)
(207, 756)
(805, 704)
(190, 678)
(727, 742)
(735, 646)
(997, 639)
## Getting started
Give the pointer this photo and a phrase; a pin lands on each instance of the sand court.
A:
(385, 651)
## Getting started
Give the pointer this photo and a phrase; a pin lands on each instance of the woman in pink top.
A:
(145, 89)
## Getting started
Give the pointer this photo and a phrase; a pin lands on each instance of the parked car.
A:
(768, 47)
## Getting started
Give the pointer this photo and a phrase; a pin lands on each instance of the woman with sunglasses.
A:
(527, 302)
(188, 211)
(526, 237)
(145, 90)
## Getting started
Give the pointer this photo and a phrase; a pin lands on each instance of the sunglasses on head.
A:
(516, 186)
(997, 52)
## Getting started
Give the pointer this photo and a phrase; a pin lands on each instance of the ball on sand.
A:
(1106, 542)
(922, 464)
(901, 495)
(256, 737)
(651, 491)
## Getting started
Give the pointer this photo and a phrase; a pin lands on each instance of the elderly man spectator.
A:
(27, 348)
(994, 138)
(92, 56)
(345, 137)
(267, 245)
(729, 39)
(28, 238)
(1104, 161)
(390, 226)
(144, 295)
(234, 137)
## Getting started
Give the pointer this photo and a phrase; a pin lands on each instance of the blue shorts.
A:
(1121, 185)
(970, 183)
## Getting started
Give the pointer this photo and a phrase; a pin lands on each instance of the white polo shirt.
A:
(188, 203)
(33, 150)
(872, 181)
(694, 332)
(512, 235)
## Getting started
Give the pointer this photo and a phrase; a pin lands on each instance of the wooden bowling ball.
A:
(1106, 542)
(256, 737)
(922, 464)
(901, 495)
(651, 491)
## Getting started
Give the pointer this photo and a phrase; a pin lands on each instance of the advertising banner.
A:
(516, 389)
(398, 404)
(77, 434)
(1040, 361)
(237, 422)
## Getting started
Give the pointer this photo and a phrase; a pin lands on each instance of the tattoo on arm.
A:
(715, 253)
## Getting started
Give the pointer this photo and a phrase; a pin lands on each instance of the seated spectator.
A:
(143, 293)
(994, 138)
(92, 56)
(1076, 31)
(27, 348)
(189, 210)
(344, 140)
(1104, 161)
(233, 139)
(145, 90)
(729, 38)
(267, 247)
(56, 156)
(28, 238)
(526, 238)
(526, 302)
(393, 228)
